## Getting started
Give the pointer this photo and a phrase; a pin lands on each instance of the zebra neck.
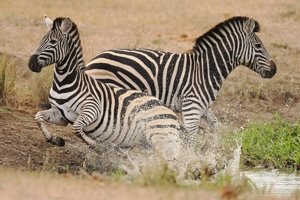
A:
(213, 66)
(219, 55)
(70, 68)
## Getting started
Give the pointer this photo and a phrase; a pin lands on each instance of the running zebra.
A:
(98, 113)
(190, 82)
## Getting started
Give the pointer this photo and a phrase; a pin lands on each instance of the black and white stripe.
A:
(189, 82)
(98, 112)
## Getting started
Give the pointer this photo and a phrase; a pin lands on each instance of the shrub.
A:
(42, 83)
(7, 81)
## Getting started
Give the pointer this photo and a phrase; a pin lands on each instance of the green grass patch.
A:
(118, 175)
(272, 145)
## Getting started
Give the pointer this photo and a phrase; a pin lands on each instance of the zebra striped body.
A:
(120, 116)
(98, 112)
(190, 82)
(145, 70)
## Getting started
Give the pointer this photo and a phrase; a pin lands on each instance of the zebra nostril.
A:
(273, 65)
(33, 64)
(273, 68)
(272, 71)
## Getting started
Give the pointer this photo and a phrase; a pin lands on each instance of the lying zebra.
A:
(188, 83)
(98, 113)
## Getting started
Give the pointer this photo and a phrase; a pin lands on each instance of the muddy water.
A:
(139, 159)
(274, 181)
(267, 181)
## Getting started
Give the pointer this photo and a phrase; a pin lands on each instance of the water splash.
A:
(233, 168)
(208, 156)
(206, 160)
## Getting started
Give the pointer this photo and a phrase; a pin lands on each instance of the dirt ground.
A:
(168, 25)
(23, 146)
(30, 168)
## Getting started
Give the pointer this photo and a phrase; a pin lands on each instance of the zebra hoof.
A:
(60, 142)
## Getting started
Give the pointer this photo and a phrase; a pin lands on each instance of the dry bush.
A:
(7, 81)
(41, 85)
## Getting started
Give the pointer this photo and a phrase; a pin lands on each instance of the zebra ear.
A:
(49, 22)
(249, 26)
(66, 25)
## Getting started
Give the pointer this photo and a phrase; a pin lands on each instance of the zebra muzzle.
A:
(33, 64)
(271, 72)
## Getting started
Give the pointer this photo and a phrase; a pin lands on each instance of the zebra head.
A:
(254, 55)
(54, 46)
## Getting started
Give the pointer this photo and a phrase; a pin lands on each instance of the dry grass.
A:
(41, 85)
(169, 26)
(51, 186)
(43, 185)
(7, 81)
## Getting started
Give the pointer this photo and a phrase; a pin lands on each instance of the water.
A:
(267, 181)
(273, 181)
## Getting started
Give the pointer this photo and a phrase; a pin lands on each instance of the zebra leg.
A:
(191, 120)
(168, 145)
(52, 116)
(84, 119)
(211, 118)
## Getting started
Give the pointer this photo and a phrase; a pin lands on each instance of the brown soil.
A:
(24, 148)
(23, 145)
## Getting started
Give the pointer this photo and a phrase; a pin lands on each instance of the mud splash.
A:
(137, 160)
(207, 158)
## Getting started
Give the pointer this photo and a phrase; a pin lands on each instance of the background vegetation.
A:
(7, 81)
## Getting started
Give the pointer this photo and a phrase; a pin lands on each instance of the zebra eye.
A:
(258, 45)
(52, 42)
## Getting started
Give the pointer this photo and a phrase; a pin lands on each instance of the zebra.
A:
(99, 113)
(189, 82)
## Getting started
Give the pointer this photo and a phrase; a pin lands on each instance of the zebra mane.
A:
(220, 26)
